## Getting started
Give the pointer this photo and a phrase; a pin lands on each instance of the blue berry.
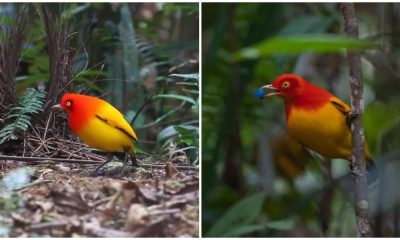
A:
(101, 172)
(260, 93)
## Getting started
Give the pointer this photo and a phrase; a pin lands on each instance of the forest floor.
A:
(64, 200)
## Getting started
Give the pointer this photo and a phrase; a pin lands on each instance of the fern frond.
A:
(31, 102)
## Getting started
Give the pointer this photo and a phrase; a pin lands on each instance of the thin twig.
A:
(47, 225)
(47, 125)
(35, 183)
(163, 166)
(148, 100)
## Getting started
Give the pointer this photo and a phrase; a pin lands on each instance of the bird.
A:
(316, 119)
(99, 124)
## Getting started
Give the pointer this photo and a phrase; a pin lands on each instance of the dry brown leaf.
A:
(173, 186)
(153, 229)
(46, 206)
(190, 214)
(63, 207)
(137, 216)
(135, 193)
(110, 208)
(62, 168)
(93, 228)
(149, 194)
(19, 219)
(130, 191)
(70, 199)
(171, 171)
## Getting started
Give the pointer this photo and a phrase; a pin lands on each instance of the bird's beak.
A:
(57, 107)
(270, 87)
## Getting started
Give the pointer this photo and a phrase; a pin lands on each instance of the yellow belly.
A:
(102, 136)
(323, 131)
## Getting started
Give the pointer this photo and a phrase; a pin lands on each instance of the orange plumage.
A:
(315, 118)
(98, 123)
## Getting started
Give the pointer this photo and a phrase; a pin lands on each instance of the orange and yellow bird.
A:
(316, 119)
(99, 125)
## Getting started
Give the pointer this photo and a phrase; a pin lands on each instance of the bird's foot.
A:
(353, 172)
(350, 115)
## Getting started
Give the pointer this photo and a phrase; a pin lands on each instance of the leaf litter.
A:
(63, 200)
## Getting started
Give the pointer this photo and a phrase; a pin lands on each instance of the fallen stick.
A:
(66, 160)
(163, 166)
(42, 159)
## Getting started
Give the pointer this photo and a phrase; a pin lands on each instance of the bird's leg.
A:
(109, 158)
(132, 154)
(133, 159)
(125, 159)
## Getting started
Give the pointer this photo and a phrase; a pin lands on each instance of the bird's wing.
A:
(114, 118)
(343, 108)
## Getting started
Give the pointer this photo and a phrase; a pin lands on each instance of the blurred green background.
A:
(256, 180)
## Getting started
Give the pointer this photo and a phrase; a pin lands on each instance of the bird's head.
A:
(67, 102)
(287, 86)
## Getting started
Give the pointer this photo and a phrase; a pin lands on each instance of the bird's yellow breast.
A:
(322, 130)
(98, 134)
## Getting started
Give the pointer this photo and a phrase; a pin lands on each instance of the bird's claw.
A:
(350, 115)
(353, 172)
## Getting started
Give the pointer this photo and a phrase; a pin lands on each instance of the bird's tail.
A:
(372, 171)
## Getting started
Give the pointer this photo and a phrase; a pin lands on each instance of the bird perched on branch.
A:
(316, 119)
(99, 125)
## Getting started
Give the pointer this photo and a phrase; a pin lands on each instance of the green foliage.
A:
(187, 8)
(243, 213)
(178, 97)
(130, 51)
(242, 217)
(30, 102)
(378, 119)
(326, 43)
(185, 135)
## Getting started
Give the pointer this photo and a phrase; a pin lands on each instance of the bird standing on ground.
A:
(316, 119)
(99, 125)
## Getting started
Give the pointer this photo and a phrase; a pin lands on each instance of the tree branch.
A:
(358, 163)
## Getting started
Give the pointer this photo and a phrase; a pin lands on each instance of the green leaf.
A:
(244, 212)
(280, 225)
(378, 119)
(187, 83)
(176, 96)
(246, 229)
(321, 43)
(30, 102)
(174, 130)
(190, 76)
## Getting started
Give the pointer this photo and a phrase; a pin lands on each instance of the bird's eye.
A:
(68, 103)
(286, 84)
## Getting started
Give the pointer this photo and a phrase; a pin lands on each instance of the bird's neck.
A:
(311, 98)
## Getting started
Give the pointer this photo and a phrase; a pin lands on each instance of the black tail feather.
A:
(372, 172)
